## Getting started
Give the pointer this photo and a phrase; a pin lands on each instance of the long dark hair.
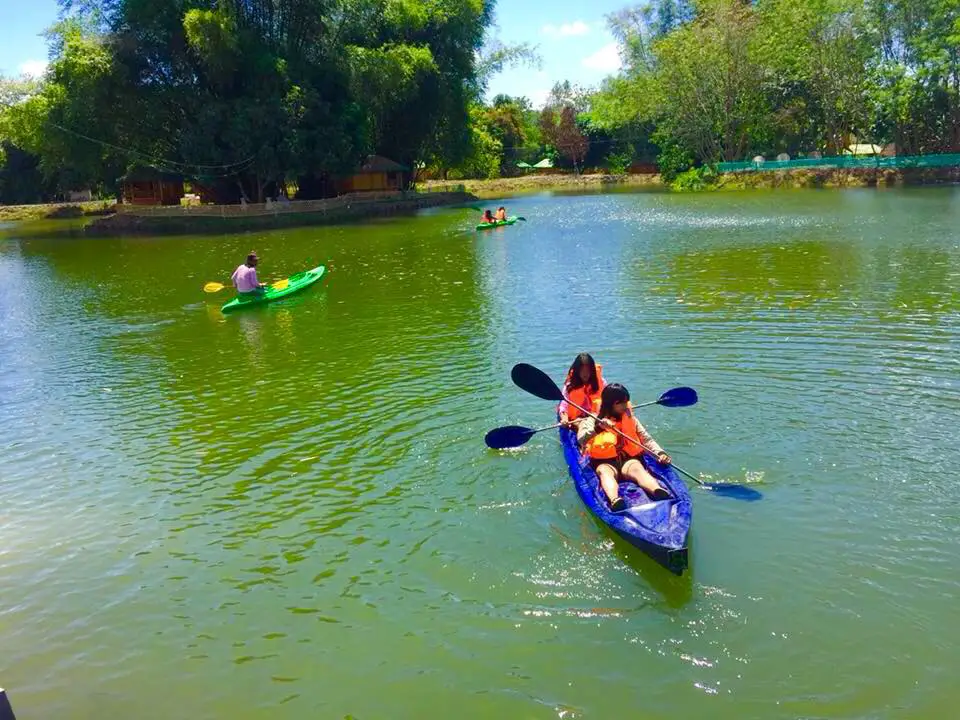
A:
(573, 376)
(611, 395)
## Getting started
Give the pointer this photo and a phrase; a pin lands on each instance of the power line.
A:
(163, 163)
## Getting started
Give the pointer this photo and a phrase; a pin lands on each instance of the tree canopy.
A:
(255, 91)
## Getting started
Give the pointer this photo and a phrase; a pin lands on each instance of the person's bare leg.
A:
(635, 471)
(608, 481)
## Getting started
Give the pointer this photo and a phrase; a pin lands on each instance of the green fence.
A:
(851, 162)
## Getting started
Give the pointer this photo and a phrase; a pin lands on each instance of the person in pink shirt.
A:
(245, 277)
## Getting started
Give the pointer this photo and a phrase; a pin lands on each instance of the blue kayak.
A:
(658, 527)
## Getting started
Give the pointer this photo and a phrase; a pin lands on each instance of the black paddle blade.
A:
(737, 492)
(536, 382)
(678, 397)
(509, 436)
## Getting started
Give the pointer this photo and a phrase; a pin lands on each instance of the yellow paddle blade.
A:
(212, 287)
(281, 284)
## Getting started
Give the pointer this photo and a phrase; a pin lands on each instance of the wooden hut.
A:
(148, 186)
(377, 174)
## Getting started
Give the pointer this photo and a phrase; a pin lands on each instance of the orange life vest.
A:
(584, 396)
(607, 445)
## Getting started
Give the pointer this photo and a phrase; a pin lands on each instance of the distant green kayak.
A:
(509, 221)
(278, 291)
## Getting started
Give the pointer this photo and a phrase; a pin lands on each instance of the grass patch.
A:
(54, 211)
(500, 187)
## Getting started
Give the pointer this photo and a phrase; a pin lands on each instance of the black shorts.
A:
(616, 463)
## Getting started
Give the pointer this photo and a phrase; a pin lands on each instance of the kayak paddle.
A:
(536, 382)
(675, 397)
(511, 436)
(212, 287)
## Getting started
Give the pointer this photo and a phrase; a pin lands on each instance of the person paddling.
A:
(582, 387)
(615, 458)
(487, 217)
(245, 276)
(501, 215)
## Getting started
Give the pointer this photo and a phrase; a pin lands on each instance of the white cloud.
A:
(606, 59)
(538, 98)
(36, 68)
(571, 29)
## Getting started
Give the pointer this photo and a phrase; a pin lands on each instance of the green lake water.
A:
(289, 512)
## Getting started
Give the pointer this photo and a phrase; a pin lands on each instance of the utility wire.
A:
(163, 163)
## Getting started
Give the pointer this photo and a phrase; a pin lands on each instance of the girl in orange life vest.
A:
(612, 456)
(583, 386)
(501, 214)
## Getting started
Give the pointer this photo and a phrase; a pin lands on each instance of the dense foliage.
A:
(712, 80)
(254, 92)
(727, 79)
(258, 93)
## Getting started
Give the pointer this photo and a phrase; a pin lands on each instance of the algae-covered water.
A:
(290, 512)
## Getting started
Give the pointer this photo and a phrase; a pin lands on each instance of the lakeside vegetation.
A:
(254, 95)
(722, 80)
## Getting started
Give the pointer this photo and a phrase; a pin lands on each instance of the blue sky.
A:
(571, 38)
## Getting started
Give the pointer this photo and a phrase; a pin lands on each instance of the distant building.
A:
(148, 186)
(377, 174)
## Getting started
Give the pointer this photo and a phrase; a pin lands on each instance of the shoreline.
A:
(106, 218)
(223, 219)
(500, 187)
(55, 211)
(836, 178)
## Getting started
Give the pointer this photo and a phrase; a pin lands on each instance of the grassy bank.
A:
(695, 181)
(500, 187)
(835, 178)
(54, 211)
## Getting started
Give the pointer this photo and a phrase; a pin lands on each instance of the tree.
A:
(570, 141)
(709, 81)
(255, 92)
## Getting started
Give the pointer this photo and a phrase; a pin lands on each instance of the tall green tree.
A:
(256, 92)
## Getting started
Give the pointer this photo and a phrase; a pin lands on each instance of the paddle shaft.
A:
(534, 431)
(210, 286)
(630, 439)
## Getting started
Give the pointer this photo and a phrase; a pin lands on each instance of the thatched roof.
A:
(380, 164)
(143, 173)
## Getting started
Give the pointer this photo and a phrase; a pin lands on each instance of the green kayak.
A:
(278, 291)
(509, 221)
